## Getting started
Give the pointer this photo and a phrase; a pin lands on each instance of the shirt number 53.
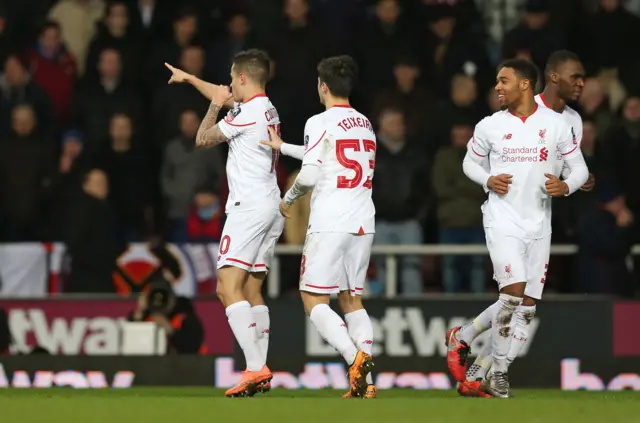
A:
(368, 146)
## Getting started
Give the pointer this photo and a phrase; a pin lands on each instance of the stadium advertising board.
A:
(92, 372)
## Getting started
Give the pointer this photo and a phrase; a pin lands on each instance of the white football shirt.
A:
(570, 116)
(251, 166)
(526, 149)
(342, 142)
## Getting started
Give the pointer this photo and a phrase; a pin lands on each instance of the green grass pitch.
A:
(195, 405)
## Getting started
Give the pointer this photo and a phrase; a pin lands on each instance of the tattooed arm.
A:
(209, 133)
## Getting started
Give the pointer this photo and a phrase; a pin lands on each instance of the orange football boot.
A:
(361, 367)
(457, 353)
(370, 394)
(472, 389)
(250, 383)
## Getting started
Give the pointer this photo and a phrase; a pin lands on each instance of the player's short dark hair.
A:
(340, 73)
(559, 58)
(523, 68)
(255, 63)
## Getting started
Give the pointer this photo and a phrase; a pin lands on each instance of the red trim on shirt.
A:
(574, 149)
(544, 101)
(477, 154)
(345, 106)
(317, 142)
(255, 96)
(524, 118)
(240, 125)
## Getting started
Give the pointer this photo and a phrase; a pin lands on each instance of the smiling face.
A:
(510, 87)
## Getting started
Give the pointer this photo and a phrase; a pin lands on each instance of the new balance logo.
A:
(507, 136)
(544, 154)
(252, 325)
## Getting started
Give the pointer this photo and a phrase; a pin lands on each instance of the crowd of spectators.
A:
(96, 150)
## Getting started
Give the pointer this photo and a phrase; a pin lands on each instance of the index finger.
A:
(168, 66)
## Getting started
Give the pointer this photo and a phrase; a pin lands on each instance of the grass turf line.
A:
(196, 405)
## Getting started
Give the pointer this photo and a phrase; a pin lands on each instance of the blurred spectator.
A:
(98, 99)
(621, 152)
(78, 19)
(126, 170)
(172, 99)
(594, 104)
(151, 18)
(449, 49)
(409, 95)
(220, 53)
(383, 38)
(535, 33)
(26, 169)
(91, 238)
(400, 192)
(54, 69)
(297, 48)
(185, 34)
(611, 28)
(204, 222)
(17, 88)
(184, 169)
(463, 105)
(175, 314)
(604, 242)
(459, 214)
(114, 33)
(4, 37)
(72, 166)
(295, 227)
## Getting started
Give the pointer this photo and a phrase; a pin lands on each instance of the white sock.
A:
(243, 326)
(482, 363)
(333, 329)
(523, 317)
(501, 330)
(471, 330)
(263, 323)
(361, 333)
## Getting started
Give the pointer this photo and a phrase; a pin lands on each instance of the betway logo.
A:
(404, 332)
(96, 336)
(70, 378)
(331, 375)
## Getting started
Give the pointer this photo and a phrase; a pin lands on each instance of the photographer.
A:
(174, 314)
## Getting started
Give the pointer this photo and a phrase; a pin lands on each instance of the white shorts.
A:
(519, 260)
(334, 262)
(249, 239)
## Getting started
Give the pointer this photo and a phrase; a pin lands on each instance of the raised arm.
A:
(206, 88)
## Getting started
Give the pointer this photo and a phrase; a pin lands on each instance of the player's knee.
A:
(310, 300)
(229, 288)
(349, 303)
(253, 288)
(515, 290)
(528, 301)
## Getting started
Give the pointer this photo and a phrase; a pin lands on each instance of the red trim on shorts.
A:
(357, 289)
(244, 124)
(261, 265)
(321, 287)
(317, 142)
(238, 261)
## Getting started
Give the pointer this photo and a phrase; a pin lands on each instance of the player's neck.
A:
(553, 101)
(253, 93)
(526, 107)
(336, 101)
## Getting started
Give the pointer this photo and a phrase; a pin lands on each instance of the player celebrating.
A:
(564, 81)
(254, 223)
(338, 162)
(522, 178)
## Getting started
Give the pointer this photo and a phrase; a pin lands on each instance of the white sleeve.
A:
(569, 148)
(235, 123)
(305, 181)
(476, 161)
(292, 150)
(576, 132)
(315, 142)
